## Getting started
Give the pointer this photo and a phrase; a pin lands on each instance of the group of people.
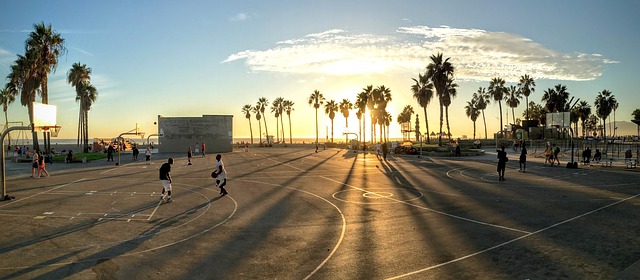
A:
(551, 154)
(503, 159)
(219, 174)
(38, 165)
(586, 156)
(197, 150)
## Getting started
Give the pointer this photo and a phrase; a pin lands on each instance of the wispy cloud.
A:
(239, 17)
(476, 54)
(82, 51)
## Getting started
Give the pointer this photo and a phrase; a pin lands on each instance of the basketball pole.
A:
(2, 163)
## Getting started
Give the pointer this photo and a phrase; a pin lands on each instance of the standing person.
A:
(385, 150)
(502, 162)
(135, 152)
(556, 151)
(196, 148)
(189, 156)
(41, 167)
(203, 149)
(147, 155)
(523, 159)
(165, 178)
(547, 155)
(34, 166)
(378, 150)
(110, 151)
(221, 178)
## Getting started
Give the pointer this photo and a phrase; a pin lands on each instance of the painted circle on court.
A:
(377, 195)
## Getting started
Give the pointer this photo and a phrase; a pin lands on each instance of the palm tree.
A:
(7, 97)
(405, 117)
(497, 91)
(481, 101)
(276, 108)
(345, 107)
(423, 93)
(584, 111)
(513, 100)
(316, 99)
(371, 105)
(77, 76)
(636, 114)
(450, 93)
(330, 108)
(604, 106)
(262, 104)
(361, 103)
(22, 78)
(386, 120)
(382, 97)
(47, 46)
(288, 108)
(556, 99)
(614, 106)
(526, 87)
(439, 72)
(246, 110)
(256, 111)
(472, 112)
(86, 95)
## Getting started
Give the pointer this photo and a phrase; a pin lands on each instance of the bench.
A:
(630, 163)
(607, 162)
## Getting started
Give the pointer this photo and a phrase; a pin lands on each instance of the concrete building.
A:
(180, 133)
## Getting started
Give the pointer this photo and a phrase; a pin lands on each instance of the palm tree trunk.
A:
(86, 131)
(513, 115)
(316, 130)
(266, 130)
(446, 111)
(290, 138)
(485, 125)
(331, 130)
(426, 121)
(527, 107)
(440, 134)
(474, 130)
(250, 130)
(260, 131)
(500, 106)
(346, 136)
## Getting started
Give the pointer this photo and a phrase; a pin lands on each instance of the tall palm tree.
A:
(246, 110)
(276, 108)
(614, 106)
(371, 105)
(481, 101)
(88, 96)
(262, 104)
(584, 112)
(77, 76)
(23, 78)
(7, 97)
(472, 112)
(405, 117)
(497, 90)
(386, 120)
(47, 45)
(361, 103)
(256, 111)
(526, 86)
(288, 108)
(345, 107)
(556, 99)
(423, 93)
(513, 100)
(439, 72)
(330, 108)
(604, 106)
(450, 93)
(381, 99)
(316, 99)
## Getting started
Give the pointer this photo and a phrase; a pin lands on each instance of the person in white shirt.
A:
(221, 175)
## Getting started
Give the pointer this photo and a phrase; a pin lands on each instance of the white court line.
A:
(513, 240)
(154, 210)
(61, 186)
(432, 210)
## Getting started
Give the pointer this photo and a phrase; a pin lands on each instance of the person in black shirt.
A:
(502, 162)
(165, 178)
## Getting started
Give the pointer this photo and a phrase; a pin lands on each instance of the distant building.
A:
(180, 133)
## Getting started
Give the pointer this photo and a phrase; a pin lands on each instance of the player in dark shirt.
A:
(165, 178)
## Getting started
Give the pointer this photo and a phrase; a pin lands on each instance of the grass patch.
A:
(89, 156)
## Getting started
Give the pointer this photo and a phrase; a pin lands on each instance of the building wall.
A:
(180, 133)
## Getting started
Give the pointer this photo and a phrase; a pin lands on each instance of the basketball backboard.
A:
(559, 120)
(44, 115)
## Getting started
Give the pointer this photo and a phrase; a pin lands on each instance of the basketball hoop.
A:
(53, 130)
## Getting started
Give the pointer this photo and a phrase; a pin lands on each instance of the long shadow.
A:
(121, 248)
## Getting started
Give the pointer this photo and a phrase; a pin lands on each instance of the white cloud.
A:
(476, 54)
(239, 17)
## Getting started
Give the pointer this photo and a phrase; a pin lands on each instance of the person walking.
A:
(34, 166)
(189, 156)
(547, 155)
(41, 167)
(110, 151)
(221, 175)
(196, 148)
(502, 163)
(147, 155)
(165, 178)
(523, 159)
(556, 151)
(204, 148)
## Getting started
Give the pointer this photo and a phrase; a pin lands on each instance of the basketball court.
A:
(295, 214)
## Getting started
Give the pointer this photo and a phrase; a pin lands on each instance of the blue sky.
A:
(191, 58)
